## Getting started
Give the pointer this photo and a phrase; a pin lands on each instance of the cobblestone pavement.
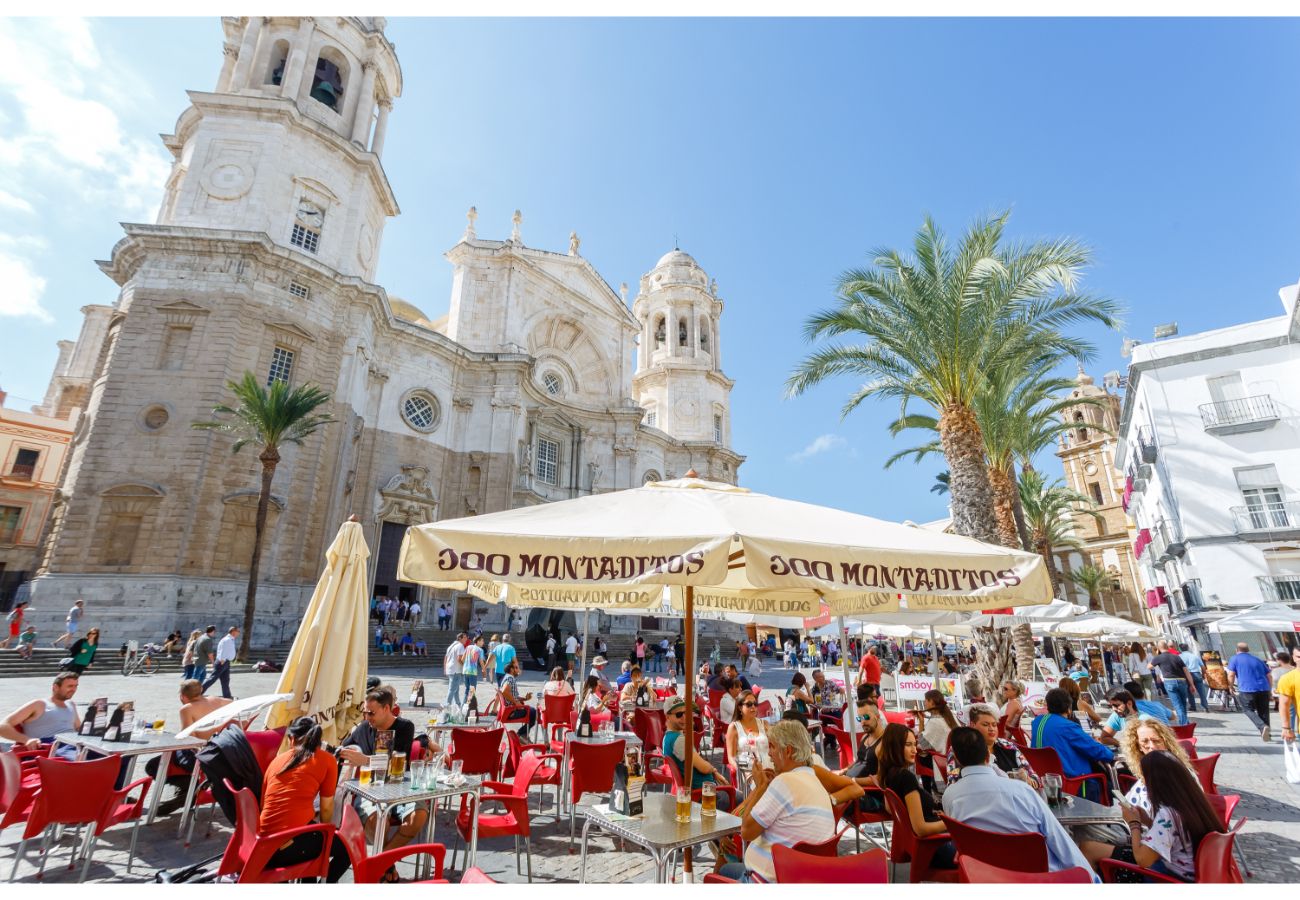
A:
(1248, 767)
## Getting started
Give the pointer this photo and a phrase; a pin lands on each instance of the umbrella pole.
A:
(848, 698)
(934, 653)
(582, 673)
(689, 769)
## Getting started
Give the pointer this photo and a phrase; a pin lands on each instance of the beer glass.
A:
(708, 799)
(458, 769)
(396, 767)
(363, 775)
(1052, 787)
(683, 816)
(159, 724)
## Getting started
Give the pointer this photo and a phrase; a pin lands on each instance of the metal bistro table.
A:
(1078, 811)
(660, 838)
(163, 743)
(386, 795)
(629, 740)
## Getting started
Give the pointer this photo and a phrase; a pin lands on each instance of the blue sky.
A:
(779, 152)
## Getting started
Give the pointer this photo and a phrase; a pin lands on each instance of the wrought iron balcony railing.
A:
(1234, 416)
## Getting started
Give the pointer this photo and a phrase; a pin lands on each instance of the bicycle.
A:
(135, 660)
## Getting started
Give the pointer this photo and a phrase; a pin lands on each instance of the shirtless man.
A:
(194, 706)
(39, 721)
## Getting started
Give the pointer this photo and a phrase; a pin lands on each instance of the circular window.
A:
(552, 383)
(420, 410)
(650, 475)
(154, 417)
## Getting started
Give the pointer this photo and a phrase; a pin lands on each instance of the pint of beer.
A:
(363, 775)
(396, 767)
(708, 799)
(683, 806)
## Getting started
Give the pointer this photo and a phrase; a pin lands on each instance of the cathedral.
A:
(540, 383)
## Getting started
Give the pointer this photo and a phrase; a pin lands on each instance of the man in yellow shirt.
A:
(1288, 702)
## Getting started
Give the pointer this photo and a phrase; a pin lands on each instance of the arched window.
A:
(651, 475)
(329, 79)
(1081, 432)
(275, 65)
(681, 332)
(704, 334)
(661, 334)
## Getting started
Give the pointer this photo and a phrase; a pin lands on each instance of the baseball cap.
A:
(672, 704)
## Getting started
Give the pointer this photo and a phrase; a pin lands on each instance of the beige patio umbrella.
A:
(721, 547)
(326, 669)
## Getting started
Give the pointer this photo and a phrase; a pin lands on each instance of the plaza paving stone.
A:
(1248, 767)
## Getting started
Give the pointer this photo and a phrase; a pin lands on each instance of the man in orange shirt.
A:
(869, 668)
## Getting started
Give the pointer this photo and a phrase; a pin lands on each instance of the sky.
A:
(778, 152)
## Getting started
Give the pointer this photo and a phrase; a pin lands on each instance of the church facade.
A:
(541, 382)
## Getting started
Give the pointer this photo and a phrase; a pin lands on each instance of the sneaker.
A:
(1265, 734)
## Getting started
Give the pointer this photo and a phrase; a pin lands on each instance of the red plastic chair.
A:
(715, 698)
(1225, 805)
(828, 847)
(591, 771)
(556, 710)
(1046, 761)
(856, 817)
(649, 725)
(1014, 851)
(1204, 766)
(478, 749)
(795, 867)
(550, 772)
(1182, 732)
(477, 876)
(907, 845)
(715, 878)
(1214, 863)
(18, 787)
(70, 793)
(513, 822)
(901, 718)
(247, 853)
(1189, 746)
(370, 869)
(844, 744)
(266, 745)
(976, 871)
(118, 809)
(764, 709)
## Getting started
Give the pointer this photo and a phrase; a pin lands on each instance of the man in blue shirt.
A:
(504, 655)
(1197, 670)
(1076, 748)
(1249, 675)
(985, 797)
(1126, 707)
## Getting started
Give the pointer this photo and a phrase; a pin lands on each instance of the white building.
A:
(1210, 448)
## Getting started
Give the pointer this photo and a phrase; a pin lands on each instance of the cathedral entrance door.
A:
(390, 547)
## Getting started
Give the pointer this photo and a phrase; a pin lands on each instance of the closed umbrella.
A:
(719, 547)
(325, 673)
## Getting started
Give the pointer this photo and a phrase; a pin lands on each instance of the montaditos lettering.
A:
(906, 579)
(558, 567)
(752, 604)
(577, 597)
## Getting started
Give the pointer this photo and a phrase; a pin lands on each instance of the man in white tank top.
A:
(40, 720)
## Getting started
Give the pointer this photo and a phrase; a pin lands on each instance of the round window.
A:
(420, 410)
(552, 383)
(154, 417)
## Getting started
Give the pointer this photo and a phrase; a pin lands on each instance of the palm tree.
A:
(266, 418)
(1093, 579)
(1049, 514)
(932, 325)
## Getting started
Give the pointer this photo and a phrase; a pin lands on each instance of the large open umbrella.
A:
(1268, 617)
(717, 546)
(1099, 625)
(326, 669)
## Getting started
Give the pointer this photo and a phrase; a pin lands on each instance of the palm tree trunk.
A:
(1004, 505)
(1022, 527)
(270, 458)
(1045, 551)
(972, 495)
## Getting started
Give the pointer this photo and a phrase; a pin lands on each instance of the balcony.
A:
(1268, 521)
(1146, 444)
(22, 472)
(1167, 542)
(1279, 588)
(1239, 416)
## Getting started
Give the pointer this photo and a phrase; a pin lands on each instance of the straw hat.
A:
(599, 661)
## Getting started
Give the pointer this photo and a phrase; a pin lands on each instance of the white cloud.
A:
(23, 288)
(14, 204)
(820, 444)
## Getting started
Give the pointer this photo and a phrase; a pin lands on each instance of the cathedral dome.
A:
(676, 258)
(408, 312)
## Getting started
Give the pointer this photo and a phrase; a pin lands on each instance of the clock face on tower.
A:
(310, 214)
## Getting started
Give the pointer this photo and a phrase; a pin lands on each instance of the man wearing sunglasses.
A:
(1126, 706)
(674, 748)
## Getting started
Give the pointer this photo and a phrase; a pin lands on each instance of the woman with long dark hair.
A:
(294, 780)
(797, 694)
(939, 721)
(1181, 816)
(896, 757)
(83, 652)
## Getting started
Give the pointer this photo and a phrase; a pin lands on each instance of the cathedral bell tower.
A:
(289, 143)
(679, 378)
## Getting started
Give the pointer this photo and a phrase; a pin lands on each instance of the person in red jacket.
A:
(869, 668)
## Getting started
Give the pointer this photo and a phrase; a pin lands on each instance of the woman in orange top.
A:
(294, 780)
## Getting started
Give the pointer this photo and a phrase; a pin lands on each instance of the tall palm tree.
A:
(266, 418)
(1049, 513)
(1093, 579)
(932, 324)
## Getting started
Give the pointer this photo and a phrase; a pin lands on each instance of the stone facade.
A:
(529, 390)
(1087, 453)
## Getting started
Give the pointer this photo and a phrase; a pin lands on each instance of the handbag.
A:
(1292, 753)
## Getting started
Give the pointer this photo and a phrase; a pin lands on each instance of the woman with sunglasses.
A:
(1014, 707)
(747, 734)
(83, 652)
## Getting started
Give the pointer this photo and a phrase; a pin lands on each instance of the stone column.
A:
(291, 84)
(229, 53)
(365, 105)
(247, 50)
(381, 127)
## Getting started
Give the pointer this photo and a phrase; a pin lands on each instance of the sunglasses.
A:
(676, 715)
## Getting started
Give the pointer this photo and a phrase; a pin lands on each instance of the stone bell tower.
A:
(679, 378)
(290, 141)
